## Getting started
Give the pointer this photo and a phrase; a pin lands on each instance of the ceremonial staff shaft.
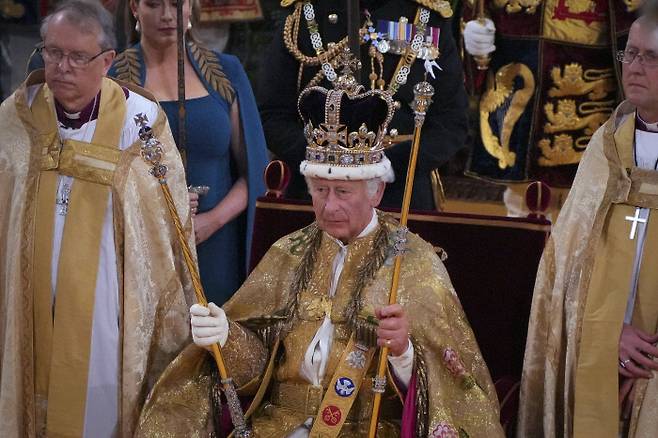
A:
(235, 409)
(481, 61)
(180, 54)
(353, 35)
(423, 93)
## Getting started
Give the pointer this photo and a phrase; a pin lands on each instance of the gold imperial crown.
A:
(345, 127)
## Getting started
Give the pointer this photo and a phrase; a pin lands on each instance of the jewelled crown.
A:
(345, 129)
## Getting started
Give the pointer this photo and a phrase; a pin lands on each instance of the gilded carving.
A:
(514, 6)
(568, 118)
(508, 104)
(597, 82)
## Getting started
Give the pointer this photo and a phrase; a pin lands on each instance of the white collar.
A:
(651, 127)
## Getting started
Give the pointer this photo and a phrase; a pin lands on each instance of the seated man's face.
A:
(73, 85)
(641, 80)
(343, 208)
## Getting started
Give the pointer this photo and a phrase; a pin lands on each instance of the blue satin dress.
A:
(209, 163)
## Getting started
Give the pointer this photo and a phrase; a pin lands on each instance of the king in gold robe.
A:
(597, 273)
(284, 303)
(92, 286)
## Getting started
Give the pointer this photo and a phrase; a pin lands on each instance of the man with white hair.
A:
(92, 297)
(311, 307)
(590, 362)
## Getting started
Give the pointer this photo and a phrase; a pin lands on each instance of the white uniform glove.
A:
(209, 325)
(479, 38)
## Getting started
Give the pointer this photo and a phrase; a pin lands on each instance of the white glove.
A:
(209, 325)
(479, 38)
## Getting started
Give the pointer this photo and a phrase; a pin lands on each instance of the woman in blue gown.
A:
(225, 147)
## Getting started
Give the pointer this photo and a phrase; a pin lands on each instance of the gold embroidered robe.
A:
(570, 379)
(454, 389)
(153, 281)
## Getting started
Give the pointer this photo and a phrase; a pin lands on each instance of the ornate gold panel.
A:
(575, 21)
(574, 123)
(508, 104)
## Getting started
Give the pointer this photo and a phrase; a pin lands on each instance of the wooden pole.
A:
(180, 33)
(353, 37)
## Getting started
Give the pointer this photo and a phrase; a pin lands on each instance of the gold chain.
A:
(290, 34)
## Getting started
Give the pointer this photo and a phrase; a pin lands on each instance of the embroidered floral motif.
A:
(444, 430)
(453, 362)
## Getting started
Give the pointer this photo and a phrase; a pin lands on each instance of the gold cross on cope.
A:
(635, 220)
(320, 306)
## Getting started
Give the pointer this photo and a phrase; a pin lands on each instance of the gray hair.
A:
(372, 185)
(88, 16)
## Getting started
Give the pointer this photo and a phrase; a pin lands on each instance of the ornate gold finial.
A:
(423, 92)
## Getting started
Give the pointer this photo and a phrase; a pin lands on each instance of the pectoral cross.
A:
(635, 219)
(62, 200)
(141, 120)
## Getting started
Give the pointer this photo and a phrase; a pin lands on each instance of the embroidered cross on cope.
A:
(635, 220)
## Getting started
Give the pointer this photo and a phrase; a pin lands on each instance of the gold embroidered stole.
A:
(342, 391)
(63, 324)
(347, 369)
(596, 406)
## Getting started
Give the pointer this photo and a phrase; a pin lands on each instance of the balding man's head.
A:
(640, 65)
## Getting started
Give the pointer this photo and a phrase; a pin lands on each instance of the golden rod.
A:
(423, 93)
(151, 151)
(235, 409)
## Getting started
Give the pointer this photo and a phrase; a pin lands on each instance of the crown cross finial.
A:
(330, 134)
(350, 63)
(346, 81)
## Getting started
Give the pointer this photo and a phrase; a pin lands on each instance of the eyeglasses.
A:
(646, 59)
(53, 55)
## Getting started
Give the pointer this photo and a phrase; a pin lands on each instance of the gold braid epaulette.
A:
(128, 67)
(212, 71)
(441, 7)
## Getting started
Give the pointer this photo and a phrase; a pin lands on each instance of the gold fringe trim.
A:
(367, 272)
(422, 390)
